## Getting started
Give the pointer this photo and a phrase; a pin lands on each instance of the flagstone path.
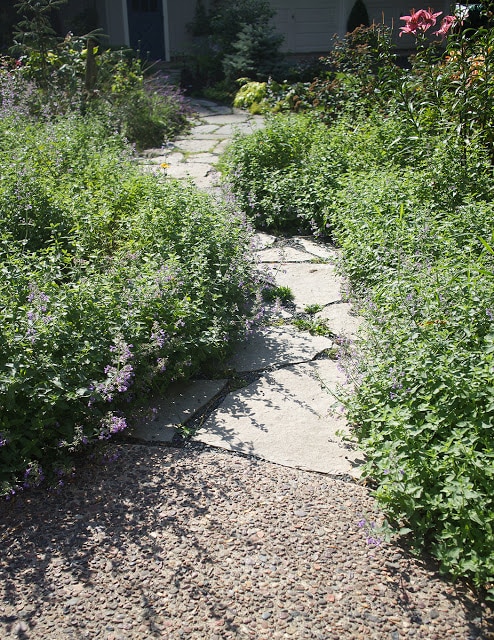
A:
(287, 409)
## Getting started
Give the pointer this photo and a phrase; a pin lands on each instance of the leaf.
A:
(486, 245)
(57, 383)
(405, 531)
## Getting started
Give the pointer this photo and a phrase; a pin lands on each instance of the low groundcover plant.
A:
(405, 190)
(114, 283)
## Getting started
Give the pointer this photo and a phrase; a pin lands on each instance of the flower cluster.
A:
(38, 311)
(120, 374)
(446, 23)
(33, 475)
(371, 538)
(111, 424)
(418, 22)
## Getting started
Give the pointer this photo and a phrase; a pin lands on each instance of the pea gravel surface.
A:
(196, 543)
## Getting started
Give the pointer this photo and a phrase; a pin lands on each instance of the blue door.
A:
(146, 28)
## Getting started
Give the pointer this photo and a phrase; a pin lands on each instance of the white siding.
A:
(117, 24)
(308, 25)
(181, 13)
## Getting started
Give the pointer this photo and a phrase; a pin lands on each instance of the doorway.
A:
(146, 28)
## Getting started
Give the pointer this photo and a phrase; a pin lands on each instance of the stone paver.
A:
(277, 346)
(318, 249)
(163, 414)
(223, 119)
(202, 175)
(174, 157)
(340, 319)
(283, 255)
(285, 417)
(203, 129)
(205, 145)
(263, 240)
(310, 283)
(204, 158)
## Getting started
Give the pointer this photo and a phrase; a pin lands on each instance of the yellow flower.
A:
(164, 165)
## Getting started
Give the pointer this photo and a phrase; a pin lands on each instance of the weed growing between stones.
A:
(282, 293)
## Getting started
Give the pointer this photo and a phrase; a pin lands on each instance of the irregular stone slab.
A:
(220, 110)
(340, 319)
(164, 414)
(275, 346)
(202, 129)
(229, 130)
(286, 417)
(225, 131)
(231, 118)
(152, 152)
(192, 170)
(172, 158)
(208, 183)
(214, 136)
(310, 283)
(205, 107)
(263, 240)
(221, 146)
(318, 249)
(283, 254)
(204, 158)
(196, 145)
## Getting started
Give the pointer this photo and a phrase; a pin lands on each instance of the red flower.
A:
(419, 21)
(446, 24)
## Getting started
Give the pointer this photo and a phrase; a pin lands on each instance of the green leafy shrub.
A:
(144, 107)
(284, 175)
(422, 406)
(114, 283)
(359, 74)
(412, 239)
(250, 95)
(34, 34)
(80, 74)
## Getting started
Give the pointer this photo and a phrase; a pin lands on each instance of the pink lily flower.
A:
(446, 24)
(419, 21)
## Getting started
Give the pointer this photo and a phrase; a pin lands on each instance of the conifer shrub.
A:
(231, 41)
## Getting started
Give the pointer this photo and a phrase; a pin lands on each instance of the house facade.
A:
(309, 25)
(158, 28)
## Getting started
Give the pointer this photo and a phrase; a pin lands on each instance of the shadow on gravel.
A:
(138, 541)
(99, 546)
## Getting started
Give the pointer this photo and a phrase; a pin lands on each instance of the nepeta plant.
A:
(405, 187)
(80, 74)
(114, 283)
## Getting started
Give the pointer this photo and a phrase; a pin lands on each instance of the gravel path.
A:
(201, 544)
